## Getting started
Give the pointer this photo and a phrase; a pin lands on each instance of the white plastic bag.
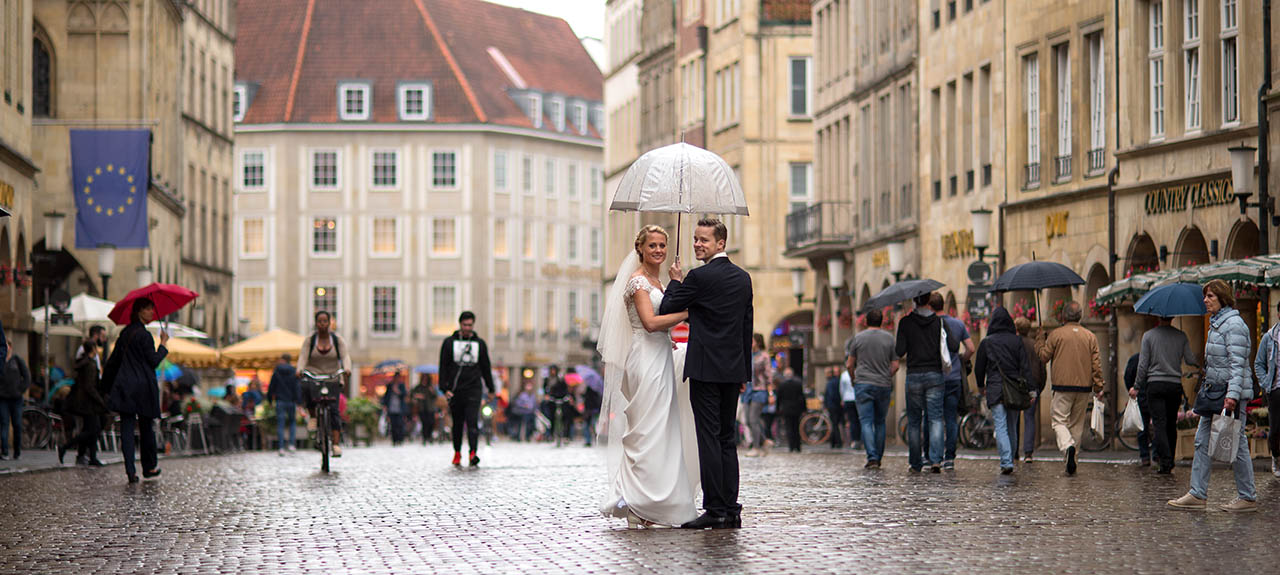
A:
(1224, 437)
(1097, 421)
(1132, 422)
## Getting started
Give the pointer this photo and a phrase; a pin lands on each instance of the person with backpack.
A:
(324, 352)
(1002, 371)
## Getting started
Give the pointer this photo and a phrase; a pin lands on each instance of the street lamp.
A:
(106, 265)
(980, 221)
(897, 260)
(835, 274)
(797, 284)
(1242, 177)
(54, 225)
(144, 275)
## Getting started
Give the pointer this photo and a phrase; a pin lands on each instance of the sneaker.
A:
(1071, 460)
(475, 460)
(4, 456)
(935, 468)
(874, 464)
(1146, 462)
(948, 466)
(1239, 505)
(915, 470)
(336, 451)
(1006, 471)
(1026, 457)
(1275, 466)
(457, 458)
(1190, 501)
(281, 453)
(753, 452)
(292, 448)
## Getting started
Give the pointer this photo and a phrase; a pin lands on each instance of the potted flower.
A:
(363, 413)
(1099, 311)
(1187, 423)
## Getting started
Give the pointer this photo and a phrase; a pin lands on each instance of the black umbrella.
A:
(901, 291)
(1036, 276)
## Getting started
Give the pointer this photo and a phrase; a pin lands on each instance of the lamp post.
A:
(797, 284)
(980, 221)
(897, 259)
(144, 275)
(1242, 178)
(54, 225)
(835, 275)
(106, 265)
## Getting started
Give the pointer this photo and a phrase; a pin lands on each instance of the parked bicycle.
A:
(41, 428)
(815, 427)
(977, 429)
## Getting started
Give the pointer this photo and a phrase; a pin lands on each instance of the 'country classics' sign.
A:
(957, 244)
(1200, 195)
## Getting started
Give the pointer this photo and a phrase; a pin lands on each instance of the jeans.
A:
(951, 416)
(755, 423)
(128, 422)
(873, 407)
(855, 426)
(1201, 465)
(1273, 435)
(589, 426)
(1011, 418)
(286, 413)
(924, 394)
(1163, 400)
(526, 424)
(11, 414)
(1002, 436)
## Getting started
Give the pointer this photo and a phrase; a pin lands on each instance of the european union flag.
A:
(109, 171)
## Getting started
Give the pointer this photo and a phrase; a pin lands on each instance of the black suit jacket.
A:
(718, 296)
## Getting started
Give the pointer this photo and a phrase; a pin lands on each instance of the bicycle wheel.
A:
(902, 428)
(35, 428)
(977, 431)
(815, 427)
(322, 428)
(1090, 441)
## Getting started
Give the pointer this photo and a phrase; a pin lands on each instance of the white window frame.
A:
(550, 311)
(580, 117)
(240, 239)
(1191, 72)
(337, 169)
(505, 237)
(373, 310)
(1062, 55)
(529, 240)
(597, 184)
(1031, 76)
(239, 103)
(373, 166)
(551, 239)
(240, 170)
(338, 313)
(457, 238)
(402, 93)
(457, 170)
(557, 113)
(366, 97)
(549, 168)
(792, 198)
(572, 179)
(503, 187)
(1155, 69)
(808, 87)
(529, 175)
(337, 236)
(452, 315)
(267, 319)
(1230, 76)
(503, 303)
(596, 246)
(573, 244)
(535, 109)
(372, 223)
(1098, 91)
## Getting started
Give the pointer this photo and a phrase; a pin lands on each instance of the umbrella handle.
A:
(679, 237)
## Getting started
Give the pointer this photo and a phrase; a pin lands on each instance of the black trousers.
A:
(86, 442)
(715, 409)
(428, 419)
(465, 411)
(793, 432)
(837, 426)
(1273, 410)
(1163, 400)
(129, 422)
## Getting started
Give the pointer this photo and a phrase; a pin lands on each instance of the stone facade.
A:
(17, 168)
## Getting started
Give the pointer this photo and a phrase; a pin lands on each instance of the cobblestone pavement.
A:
(531, 508)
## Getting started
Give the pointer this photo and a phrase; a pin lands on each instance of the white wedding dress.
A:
(654, 474)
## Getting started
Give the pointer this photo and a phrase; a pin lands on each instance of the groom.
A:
(718, 362)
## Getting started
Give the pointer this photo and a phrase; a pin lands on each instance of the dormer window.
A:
(354, 101)
(535, 109)
(415, 101)
(239, 101)
(597, 118)
(580, 117)
(557, 114)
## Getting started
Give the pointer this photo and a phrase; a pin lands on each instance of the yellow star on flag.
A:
(111, 168)
(98, 209)
(108, 211)
(97, 171)
(89, 201)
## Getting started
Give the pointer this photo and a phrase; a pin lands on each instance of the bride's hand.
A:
(674, 272)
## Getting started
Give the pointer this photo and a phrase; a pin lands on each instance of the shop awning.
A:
(1258, 271)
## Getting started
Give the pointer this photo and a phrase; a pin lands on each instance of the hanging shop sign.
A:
(1055, 226)
(6, 195)
(1199, 195)
(957, 244)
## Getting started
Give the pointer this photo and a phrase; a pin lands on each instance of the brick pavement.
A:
(531, 509)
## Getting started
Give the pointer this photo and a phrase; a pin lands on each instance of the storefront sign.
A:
(957, 244)
(1055, 226)
(6, 195)
(880, 259)
(1199, 195)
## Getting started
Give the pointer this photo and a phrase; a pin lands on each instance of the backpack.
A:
(1017, 394)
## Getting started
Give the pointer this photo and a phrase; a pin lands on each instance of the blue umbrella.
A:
(217, 392)
(427, 368)
(1172, 300)
(591, 377)
(389, 366)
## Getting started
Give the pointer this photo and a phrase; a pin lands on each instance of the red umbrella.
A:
(167, 297)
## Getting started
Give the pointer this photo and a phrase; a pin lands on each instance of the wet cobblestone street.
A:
(531, 508)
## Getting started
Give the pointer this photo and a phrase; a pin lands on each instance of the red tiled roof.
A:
(296, 63)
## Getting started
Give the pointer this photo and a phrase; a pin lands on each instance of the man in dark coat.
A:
(134, 392)
(834, 403)
(87, 405)
(791, 405)
(464, 378)
(1030, 416)
(1001, 354)
(285, 392)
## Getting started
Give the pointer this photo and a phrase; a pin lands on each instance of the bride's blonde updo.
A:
(644, 235)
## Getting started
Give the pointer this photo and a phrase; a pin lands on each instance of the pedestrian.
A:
(424, 407)
(87, 405)
(927, 347)
(285, 393)
(1001, 357)
(555, 393)
(253, 396)
(953, 381)
(849, 403)
(465, 376)
(1158, 378)
(834, 404)
(1227, 387)
(396, 403)
(135, 394)
(1031, 416)
(870, 356)
(1072, 353)
(591, 400)
(525, 409)
(791, 405)
(1265, 366)
(756, 396)
(13, 386)
(1139, 395)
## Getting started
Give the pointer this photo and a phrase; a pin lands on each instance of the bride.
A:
(646, 415)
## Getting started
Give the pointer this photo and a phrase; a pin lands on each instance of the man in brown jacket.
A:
(1075, 369)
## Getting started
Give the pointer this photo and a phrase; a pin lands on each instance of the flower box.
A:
(1186, 448)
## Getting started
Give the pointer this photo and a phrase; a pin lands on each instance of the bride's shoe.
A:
(636, 522)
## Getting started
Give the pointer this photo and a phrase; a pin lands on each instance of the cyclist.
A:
(325, 353)
(464, 366)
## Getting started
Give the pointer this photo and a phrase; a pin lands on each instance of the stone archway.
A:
(1242, 242)
(1191, 250)
(1142, 256)
(6, 267)
(865, 295)
(949, 304)
(1096, 279)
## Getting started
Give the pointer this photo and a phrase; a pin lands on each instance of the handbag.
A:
(1210, 399)
(1224, 436)
(1017, 396)
(1132, 422)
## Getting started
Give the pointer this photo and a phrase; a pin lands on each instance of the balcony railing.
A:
(1031, 173)
(824, 222)
(1097, 160)
(1061, 168)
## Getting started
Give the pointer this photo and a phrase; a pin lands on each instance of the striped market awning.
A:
(1261, 271)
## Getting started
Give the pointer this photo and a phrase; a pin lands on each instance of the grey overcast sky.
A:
(586, 17)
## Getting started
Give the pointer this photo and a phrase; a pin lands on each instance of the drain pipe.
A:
(1113, 324)
(1264, 159)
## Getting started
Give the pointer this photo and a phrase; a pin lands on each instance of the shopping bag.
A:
(1224, 437)
(1097, 421)
(1132, 422)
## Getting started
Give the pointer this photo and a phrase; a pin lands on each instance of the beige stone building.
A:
(208, 32)
(466, 176)
(22, 100)
(622, 119)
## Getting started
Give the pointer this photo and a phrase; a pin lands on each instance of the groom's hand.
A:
(674, 272)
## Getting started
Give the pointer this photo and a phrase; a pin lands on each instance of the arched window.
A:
(42, 75)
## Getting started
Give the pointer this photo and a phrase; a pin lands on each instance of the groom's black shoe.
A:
(733, 521)
(707, 521)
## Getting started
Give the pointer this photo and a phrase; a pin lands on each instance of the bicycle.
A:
(557, 420)
(324, 390)
(977, 429)
(1090, 441)
(40, 427)
(815, 427)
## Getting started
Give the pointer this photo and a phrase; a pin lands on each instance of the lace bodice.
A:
(639, 283)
